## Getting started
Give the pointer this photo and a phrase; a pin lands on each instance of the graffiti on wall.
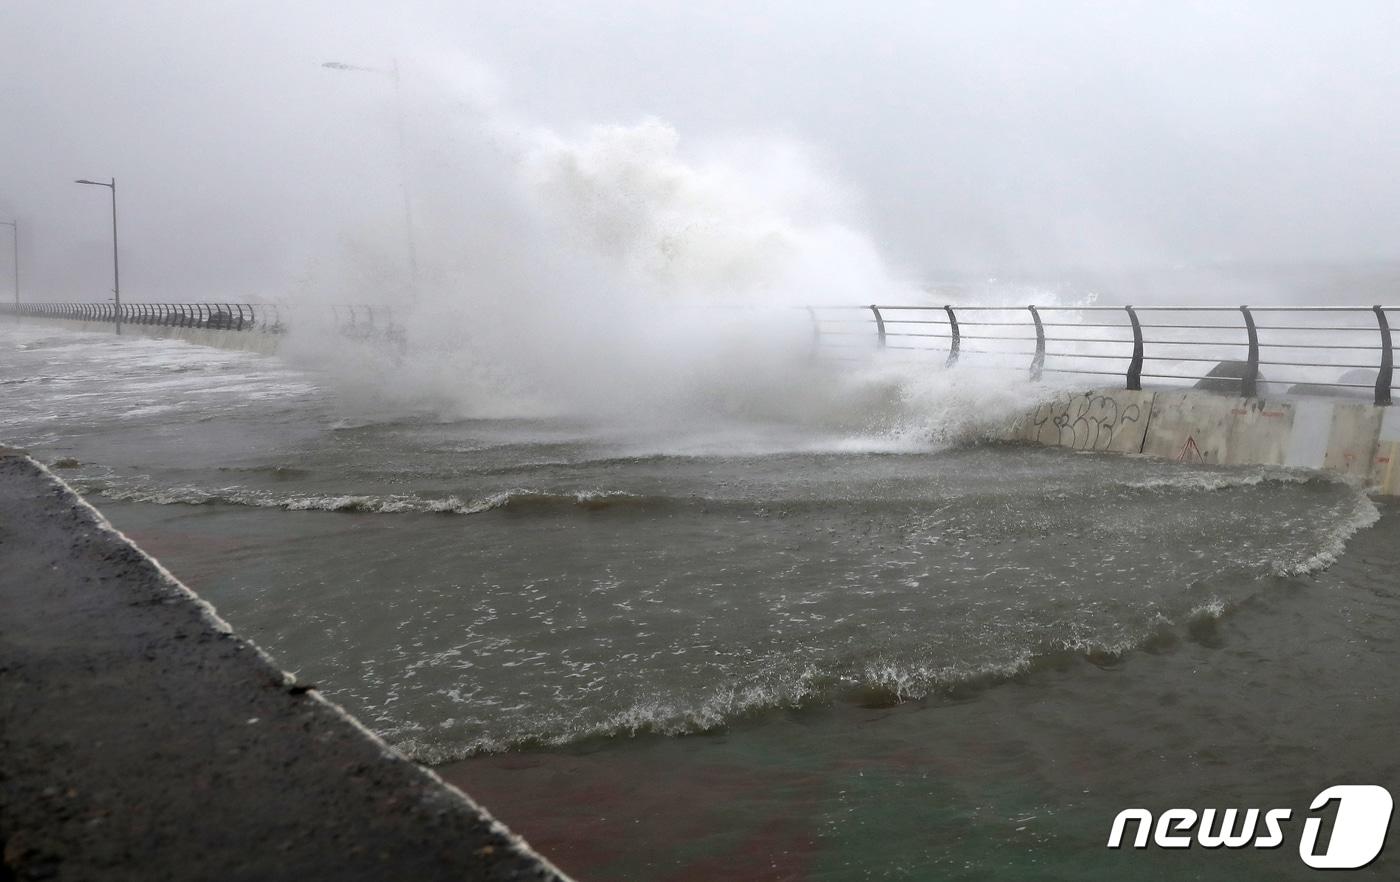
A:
(1084, 422)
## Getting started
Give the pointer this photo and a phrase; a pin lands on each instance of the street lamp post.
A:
(14, 225)
(116, 273)
(393, 74)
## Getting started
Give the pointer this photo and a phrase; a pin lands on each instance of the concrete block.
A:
(1352, 439)
(1310, 431)
(1385, 473)
(1194, 427)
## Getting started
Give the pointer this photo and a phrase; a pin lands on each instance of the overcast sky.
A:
(968, 137)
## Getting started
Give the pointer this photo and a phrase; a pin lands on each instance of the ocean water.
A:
(754, 648)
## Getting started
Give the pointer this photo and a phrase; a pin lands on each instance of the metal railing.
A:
(367, 322)
(1245, 345)
(217, 316)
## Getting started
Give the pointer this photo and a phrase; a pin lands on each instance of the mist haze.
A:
(1035, 141)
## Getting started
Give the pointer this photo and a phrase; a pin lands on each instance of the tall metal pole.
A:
(14, 225)
(116, 270)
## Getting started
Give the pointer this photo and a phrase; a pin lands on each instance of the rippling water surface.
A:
(774, 653)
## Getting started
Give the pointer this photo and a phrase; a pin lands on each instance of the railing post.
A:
(1037, 363)
(1249, 383)
(879, 323)
(1135, 366)
(1383, 376)
(956, 346)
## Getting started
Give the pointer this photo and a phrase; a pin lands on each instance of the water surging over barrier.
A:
(1323, 345)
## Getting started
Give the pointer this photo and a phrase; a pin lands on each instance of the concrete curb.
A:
(140, 738)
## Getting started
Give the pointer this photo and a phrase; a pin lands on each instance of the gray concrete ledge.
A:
(140, 738)
(1357, 440)
(259, 341)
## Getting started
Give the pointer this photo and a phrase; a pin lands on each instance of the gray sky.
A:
(971, 137)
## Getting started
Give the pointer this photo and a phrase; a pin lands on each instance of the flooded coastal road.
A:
(758, 650)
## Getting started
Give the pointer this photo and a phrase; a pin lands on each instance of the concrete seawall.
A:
(264, 342)
(141, 739)
(1343, 437)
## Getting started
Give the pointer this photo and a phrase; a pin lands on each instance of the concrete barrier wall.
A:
(262, 342)
(1191, 426)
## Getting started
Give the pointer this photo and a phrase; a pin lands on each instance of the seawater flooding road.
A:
(762, 652)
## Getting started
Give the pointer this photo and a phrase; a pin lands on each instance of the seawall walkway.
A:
(140, 738)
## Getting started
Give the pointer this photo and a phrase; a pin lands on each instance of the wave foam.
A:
(1212, 481)
(505, 500)
(1364, 514)
(878, 682)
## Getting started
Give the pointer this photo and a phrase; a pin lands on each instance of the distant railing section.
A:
(366, 322)
(1317, 349)
(217, 316)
